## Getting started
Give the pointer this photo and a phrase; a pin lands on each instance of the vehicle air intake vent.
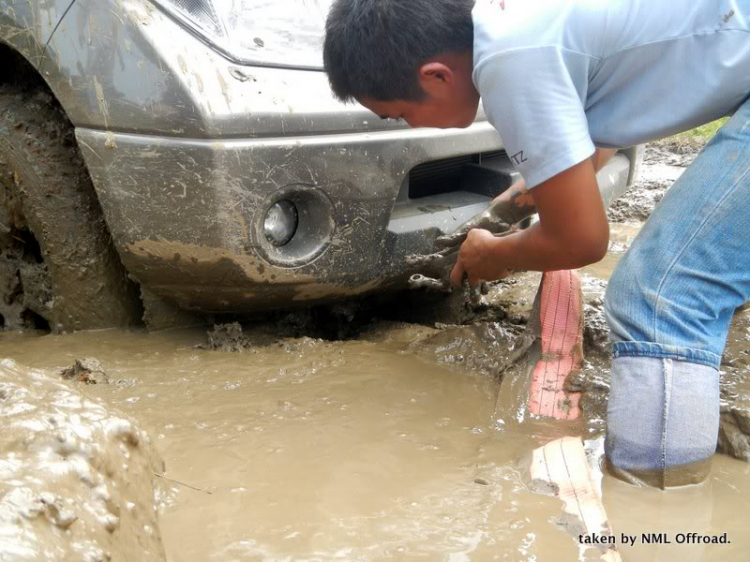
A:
(448, 174)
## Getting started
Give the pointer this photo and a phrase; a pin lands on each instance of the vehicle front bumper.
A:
(187, 215)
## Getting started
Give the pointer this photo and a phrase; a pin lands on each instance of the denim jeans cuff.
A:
(662, 351)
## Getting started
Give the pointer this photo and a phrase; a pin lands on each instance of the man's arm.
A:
(572, 230)
(510, 207)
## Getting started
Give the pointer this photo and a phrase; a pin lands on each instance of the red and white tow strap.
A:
(558, 320)
(561, 336)
(563, 462)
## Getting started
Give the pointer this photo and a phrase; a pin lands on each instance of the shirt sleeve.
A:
(534, 97)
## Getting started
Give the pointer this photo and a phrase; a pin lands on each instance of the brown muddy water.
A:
(384, 447)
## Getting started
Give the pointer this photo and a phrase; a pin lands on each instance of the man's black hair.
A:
(374, 48)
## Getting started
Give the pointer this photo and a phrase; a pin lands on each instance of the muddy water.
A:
(309, 449)
(620, 238)
(76, 480)
(301, 449)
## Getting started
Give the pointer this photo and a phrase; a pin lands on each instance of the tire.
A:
(58, 264)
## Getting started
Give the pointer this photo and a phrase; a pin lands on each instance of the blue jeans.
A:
(669, 306)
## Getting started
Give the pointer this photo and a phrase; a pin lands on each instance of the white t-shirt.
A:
(558, 77)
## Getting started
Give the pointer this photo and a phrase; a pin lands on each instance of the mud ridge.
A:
(76, 480)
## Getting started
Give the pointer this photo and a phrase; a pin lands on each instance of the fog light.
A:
(281, 223)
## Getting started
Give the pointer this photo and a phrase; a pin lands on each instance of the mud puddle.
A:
(316, 450)
(384, 447)
(380, 448)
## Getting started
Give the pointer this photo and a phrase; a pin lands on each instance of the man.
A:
(564, 82)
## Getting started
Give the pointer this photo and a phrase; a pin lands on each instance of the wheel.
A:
(58, 265)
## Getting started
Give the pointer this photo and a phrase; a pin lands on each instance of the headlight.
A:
(285, 33)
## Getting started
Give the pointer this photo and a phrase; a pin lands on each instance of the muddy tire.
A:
(58, 265)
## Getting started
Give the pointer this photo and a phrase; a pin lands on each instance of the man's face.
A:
(429, 112)
(450, 99)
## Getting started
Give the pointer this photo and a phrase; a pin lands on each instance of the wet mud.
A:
(734, 432)
(76, 478)
(24, 280)
(87, 371)
(372, 438)
(663, 164)
(379, 447)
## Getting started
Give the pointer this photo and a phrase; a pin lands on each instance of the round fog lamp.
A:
(281, 223)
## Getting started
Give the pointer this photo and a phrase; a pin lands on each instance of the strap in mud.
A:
(551, 349)
(561, 466)
(557, 322)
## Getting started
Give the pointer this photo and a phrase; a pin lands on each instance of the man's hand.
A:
(572, 232)
(510, 207)
(477, 259)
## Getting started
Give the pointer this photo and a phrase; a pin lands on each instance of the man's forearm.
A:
(534, 250)
(572, 230)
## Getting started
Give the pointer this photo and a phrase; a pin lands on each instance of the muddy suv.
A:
(188, 154)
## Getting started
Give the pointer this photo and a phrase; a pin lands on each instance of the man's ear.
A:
(435, 76)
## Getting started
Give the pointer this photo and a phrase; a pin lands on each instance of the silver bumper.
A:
(187, 215)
